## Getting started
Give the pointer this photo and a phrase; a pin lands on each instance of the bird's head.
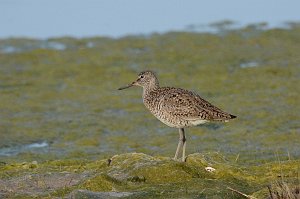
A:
(146, 79)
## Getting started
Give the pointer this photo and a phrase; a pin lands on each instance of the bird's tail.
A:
(232, 116)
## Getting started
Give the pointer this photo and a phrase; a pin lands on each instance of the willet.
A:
(177, 107)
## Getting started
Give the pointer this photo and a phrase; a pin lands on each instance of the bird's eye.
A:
(142, 76)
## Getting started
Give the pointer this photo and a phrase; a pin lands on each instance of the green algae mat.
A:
(65, 130)
(143, 176)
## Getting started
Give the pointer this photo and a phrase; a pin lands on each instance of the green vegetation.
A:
(62, 91)
(148, 177)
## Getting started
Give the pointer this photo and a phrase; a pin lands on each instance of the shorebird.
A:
(177, 107)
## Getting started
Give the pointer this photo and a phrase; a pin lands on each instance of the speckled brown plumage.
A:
(180, 108)
(177, 107)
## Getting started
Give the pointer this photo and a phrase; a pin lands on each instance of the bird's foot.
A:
(177, 159)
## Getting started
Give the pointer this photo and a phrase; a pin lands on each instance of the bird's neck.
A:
(149, 88)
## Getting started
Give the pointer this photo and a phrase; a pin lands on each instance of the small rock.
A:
(210, 169)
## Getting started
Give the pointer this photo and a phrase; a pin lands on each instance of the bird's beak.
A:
(128, 86)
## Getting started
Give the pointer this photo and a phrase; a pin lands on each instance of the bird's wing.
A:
(190, 106)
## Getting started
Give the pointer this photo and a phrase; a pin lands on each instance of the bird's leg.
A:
(183, 140)
(179, 145)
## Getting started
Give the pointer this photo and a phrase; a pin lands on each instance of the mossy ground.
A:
(147, 176)
(68, 99)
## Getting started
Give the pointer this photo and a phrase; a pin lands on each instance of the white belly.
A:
(198, 122)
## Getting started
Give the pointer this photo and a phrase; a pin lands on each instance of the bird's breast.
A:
(166, 118)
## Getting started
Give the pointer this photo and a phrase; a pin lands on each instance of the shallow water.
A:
(68, 99)
(38, 147)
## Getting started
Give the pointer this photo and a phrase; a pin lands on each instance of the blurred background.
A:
(61, 63)
(45, 19)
